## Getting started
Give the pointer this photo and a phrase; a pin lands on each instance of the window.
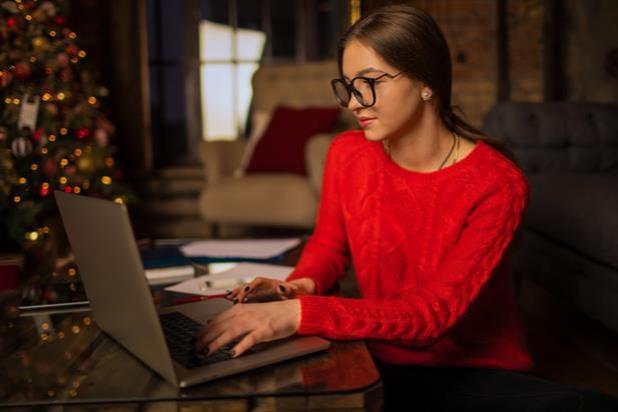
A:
(190, 68)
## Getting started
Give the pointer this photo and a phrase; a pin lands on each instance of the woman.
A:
(427, 207)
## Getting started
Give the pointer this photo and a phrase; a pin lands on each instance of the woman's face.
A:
(398, 101)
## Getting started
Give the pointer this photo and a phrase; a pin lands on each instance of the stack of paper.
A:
(218, 283)
(246, 248)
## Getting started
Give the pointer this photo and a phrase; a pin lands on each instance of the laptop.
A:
(112, 273)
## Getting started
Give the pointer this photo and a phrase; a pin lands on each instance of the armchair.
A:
(272, 199)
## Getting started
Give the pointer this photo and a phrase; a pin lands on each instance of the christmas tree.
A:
(53, 132)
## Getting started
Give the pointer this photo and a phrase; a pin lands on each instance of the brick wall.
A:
(471, 30)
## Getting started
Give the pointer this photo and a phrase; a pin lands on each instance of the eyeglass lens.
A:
(362, 89)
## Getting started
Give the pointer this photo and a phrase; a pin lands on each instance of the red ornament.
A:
(72, 50)
(22, 71)
(11, 21)
(59, 20)
(38, 133)
(83, 132)
(68, 189)
(44, 191)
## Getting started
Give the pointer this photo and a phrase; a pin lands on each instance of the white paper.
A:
(169, 274)
(245, 248)
(218, 283)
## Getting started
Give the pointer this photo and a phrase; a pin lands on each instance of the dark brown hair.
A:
(409, 39)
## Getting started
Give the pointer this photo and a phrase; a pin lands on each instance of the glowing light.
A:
(106, 180)
(45, 326)
(72, 35)
(44, 150)
(72, 272)
(63, 180)
(16, 199)
(75, 329)
(53, 33)
(87, 320)
(34, 167)
(81, 54)
(45, 185)
(77, 190)
(51, 138)
(16, 101)
(119, 200)
(109, 162)
(78, 152)
(60, 96)
(63, 162)
(23, 180)
(32, 236)
(8, 100)
(92, 100)
(47, 97)
(63, 131)
(60, 335)
(28, 17)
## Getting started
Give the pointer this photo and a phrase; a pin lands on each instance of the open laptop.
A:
(111, 270)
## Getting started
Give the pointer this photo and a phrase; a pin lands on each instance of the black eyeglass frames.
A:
(362, 87)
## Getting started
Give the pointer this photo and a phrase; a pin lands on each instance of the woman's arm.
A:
(325, 256)
(423, 314)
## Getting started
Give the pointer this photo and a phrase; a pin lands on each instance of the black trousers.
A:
(424, 388)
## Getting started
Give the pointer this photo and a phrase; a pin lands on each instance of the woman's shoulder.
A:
(500, 172)
(347, 144)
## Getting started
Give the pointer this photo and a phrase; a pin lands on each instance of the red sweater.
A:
(430, 254)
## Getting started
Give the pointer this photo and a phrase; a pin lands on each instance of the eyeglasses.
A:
(363, 89)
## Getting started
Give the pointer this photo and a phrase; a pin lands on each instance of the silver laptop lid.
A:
(110, 267)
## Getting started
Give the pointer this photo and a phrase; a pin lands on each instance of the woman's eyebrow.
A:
(367, 70)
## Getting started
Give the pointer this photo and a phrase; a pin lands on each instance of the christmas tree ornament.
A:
(4, 134)
(101, 137)
(21, 147)
(62, 59)
(82, 132)
(22, 71)
(29, 112)
(40, 43)
(85, 164)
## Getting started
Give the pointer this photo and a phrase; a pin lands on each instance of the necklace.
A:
(455, 146)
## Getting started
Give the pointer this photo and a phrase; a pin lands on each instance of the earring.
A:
(426, 96)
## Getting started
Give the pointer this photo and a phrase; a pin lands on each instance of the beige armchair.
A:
(272, 199)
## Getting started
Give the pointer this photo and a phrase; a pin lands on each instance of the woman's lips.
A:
(366, 122)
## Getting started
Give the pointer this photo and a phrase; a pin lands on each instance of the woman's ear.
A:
(426, 93)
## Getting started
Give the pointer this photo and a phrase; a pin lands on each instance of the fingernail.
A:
(282, 288)
(246, 288)
(245, 299)
(233, 353)
(235, 301)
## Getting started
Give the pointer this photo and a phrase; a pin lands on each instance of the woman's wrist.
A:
(304, 286)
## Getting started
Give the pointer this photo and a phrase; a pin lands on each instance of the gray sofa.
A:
(569, 242)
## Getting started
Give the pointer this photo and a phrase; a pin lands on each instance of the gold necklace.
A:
(387, 147)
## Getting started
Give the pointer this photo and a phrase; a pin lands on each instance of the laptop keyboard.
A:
(179, 331)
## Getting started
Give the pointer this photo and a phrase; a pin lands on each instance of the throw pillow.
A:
(259, 122)
(282, 146)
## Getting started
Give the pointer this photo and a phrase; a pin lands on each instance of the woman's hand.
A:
(264, 290)
(256, 322)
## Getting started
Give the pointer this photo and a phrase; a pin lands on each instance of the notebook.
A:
(109, 263)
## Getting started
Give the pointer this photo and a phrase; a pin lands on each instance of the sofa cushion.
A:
(282, 146)
(283, 199)
(577, 210)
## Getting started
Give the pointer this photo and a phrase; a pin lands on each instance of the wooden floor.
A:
(567, 346)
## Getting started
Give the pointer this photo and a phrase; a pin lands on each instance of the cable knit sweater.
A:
(430, 254)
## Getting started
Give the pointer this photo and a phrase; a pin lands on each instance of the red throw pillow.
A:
(282, 147)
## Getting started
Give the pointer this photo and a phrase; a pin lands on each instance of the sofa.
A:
(569, 242)
(275, 200)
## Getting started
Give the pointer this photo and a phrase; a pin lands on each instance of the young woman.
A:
(426, 206)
